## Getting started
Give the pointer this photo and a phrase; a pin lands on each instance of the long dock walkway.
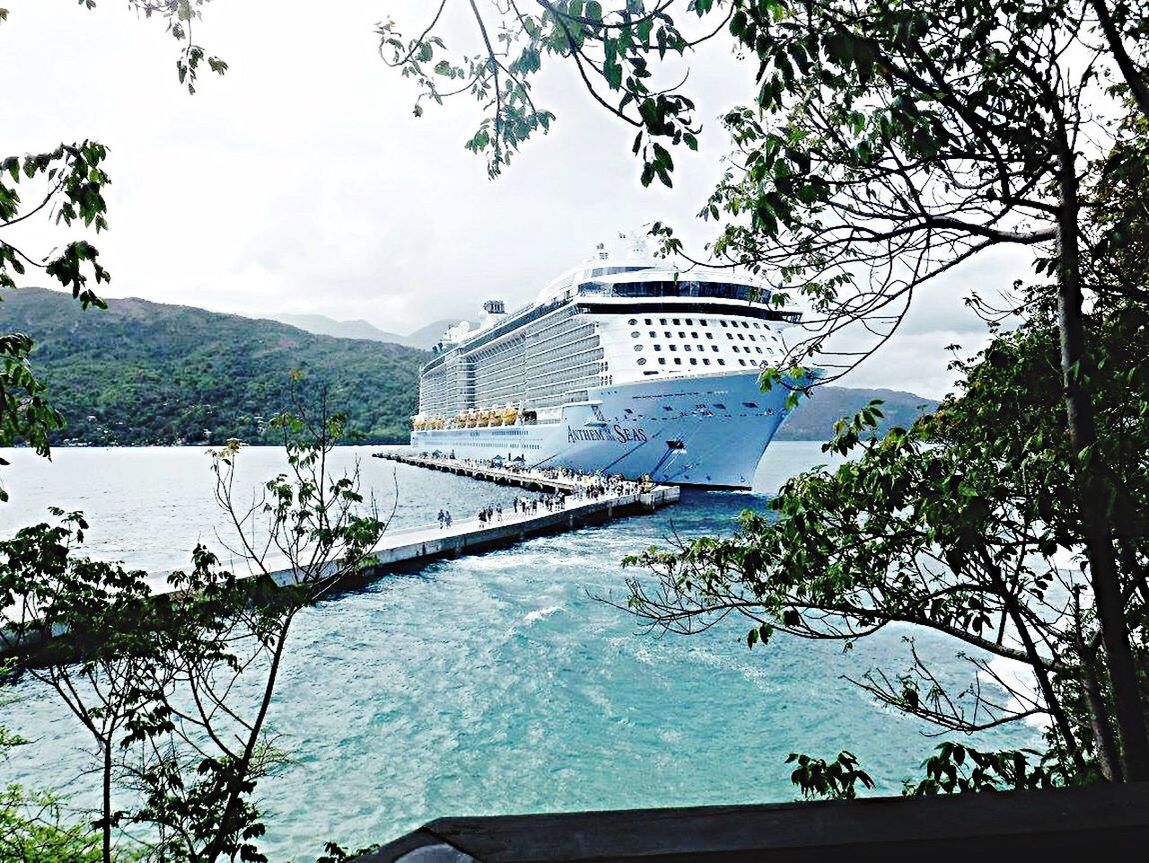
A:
(587, 501)
(552, 480)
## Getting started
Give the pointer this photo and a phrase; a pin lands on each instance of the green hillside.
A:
(815, 417)
(146, 373)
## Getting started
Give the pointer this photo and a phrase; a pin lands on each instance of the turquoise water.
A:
(495, 683)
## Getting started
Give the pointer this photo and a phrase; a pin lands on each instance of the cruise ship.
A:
(625, 365)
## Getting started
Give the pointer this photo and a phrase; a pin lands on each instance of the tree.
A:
(950, 526)
(175, 689)
(887, 145)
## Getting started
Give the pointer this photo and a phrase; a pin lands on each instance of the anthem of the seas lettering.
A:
(624, 365)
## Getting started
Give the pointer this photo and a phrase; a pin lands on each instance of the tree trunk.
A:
(1093, 498)
(107, 799)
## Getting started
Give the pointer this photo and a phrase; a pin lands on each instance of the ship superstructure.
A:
(623, 365)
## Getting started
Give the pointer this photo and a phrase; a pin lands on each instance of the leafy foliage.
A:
(833, 780)
(32, 830)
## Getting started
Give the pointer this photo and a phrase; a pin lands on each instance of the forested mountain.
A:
(815, 417)
(147, 373)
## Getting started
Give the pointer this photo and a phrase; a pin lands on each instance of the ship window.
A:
(693, 361)
(674, 321)
(667, 408)
(634, 335)
(735, 348)
(662, 361)
(720, 406)
(652, 334)
(674, 347)
(710, 335)
(741, 337)
(650, 373)
(633, 321)
(703, 322)
(745, 325)
(730, 336)
(742, 362)
(681, 334)
(759, 350)
(678, 361)
(646, 321)
(694, 335)
(662, 320)
(638, 347)
(688, 323)
(686, 348)
(705, 362)
(642, 361)
(658, 347)
(667, 333)
(721, 361)
(750, 404)
(714, 348)
(723, 323)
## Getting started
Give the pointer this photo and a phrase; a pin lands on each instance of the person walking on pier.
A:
(442, 520)
(447, 518)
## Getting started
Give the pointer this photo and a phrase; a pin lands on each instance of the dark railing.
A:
(1101, 822)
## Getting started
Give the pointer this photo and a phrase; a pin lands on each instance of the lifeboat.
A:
(510, 415)
(419, 422)
(484, 419)
(470, 418)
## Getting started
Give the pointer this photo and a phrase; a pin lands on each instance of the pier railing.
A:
(1107, 819)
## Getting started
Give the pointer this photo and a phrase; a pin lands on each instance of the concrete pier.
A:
(532, 480)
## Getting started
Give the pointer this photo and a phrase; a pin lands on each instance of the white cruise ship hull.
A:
(706, 431)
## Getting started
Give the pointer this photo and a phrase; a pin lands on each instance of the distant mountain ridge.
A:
(423, 338)
(145, 373)
(815, 416)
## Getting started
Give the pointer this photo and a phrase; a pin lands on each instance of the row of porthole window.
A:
(686, 348)
(682, 335)
(694, 361)
(702, 322)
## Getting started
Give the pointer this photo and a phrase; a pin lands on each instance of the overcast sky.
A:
(301, 182)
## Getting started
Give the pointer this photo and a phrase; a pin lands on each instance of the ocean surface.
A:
(490, 684)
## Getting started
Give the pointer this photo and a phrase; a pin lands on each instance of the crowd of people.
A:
(579, 486)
